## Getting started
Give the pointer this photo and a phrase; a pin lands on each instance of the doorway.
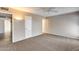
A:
(5, 28)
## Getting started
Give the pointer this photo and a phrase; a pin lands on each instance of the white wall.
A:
(65, 25)
(7, 24)
(7, 28)
(36, 25)
(28, 27)
(19, 28)
(18, 31)
(45, 25)
(19, 25)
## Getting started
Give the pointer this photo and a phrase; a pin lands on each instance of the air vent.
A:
(4, 8)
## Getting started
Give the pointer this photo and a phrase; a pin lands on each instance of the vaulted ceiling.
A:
(48, 11)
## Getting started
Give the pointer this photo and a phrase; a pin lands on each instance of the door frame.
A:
(11, 18)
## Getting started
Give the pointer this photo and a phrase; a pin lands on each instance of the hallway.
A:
(5, 29)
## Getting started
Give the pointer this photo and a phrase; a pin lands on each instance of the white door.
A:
(28, 26)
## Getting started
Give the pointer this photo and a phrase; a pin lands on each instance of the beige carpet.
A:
(44, 42)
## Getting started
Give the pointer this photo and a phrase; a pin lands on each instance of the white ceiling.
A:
(48, 11)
